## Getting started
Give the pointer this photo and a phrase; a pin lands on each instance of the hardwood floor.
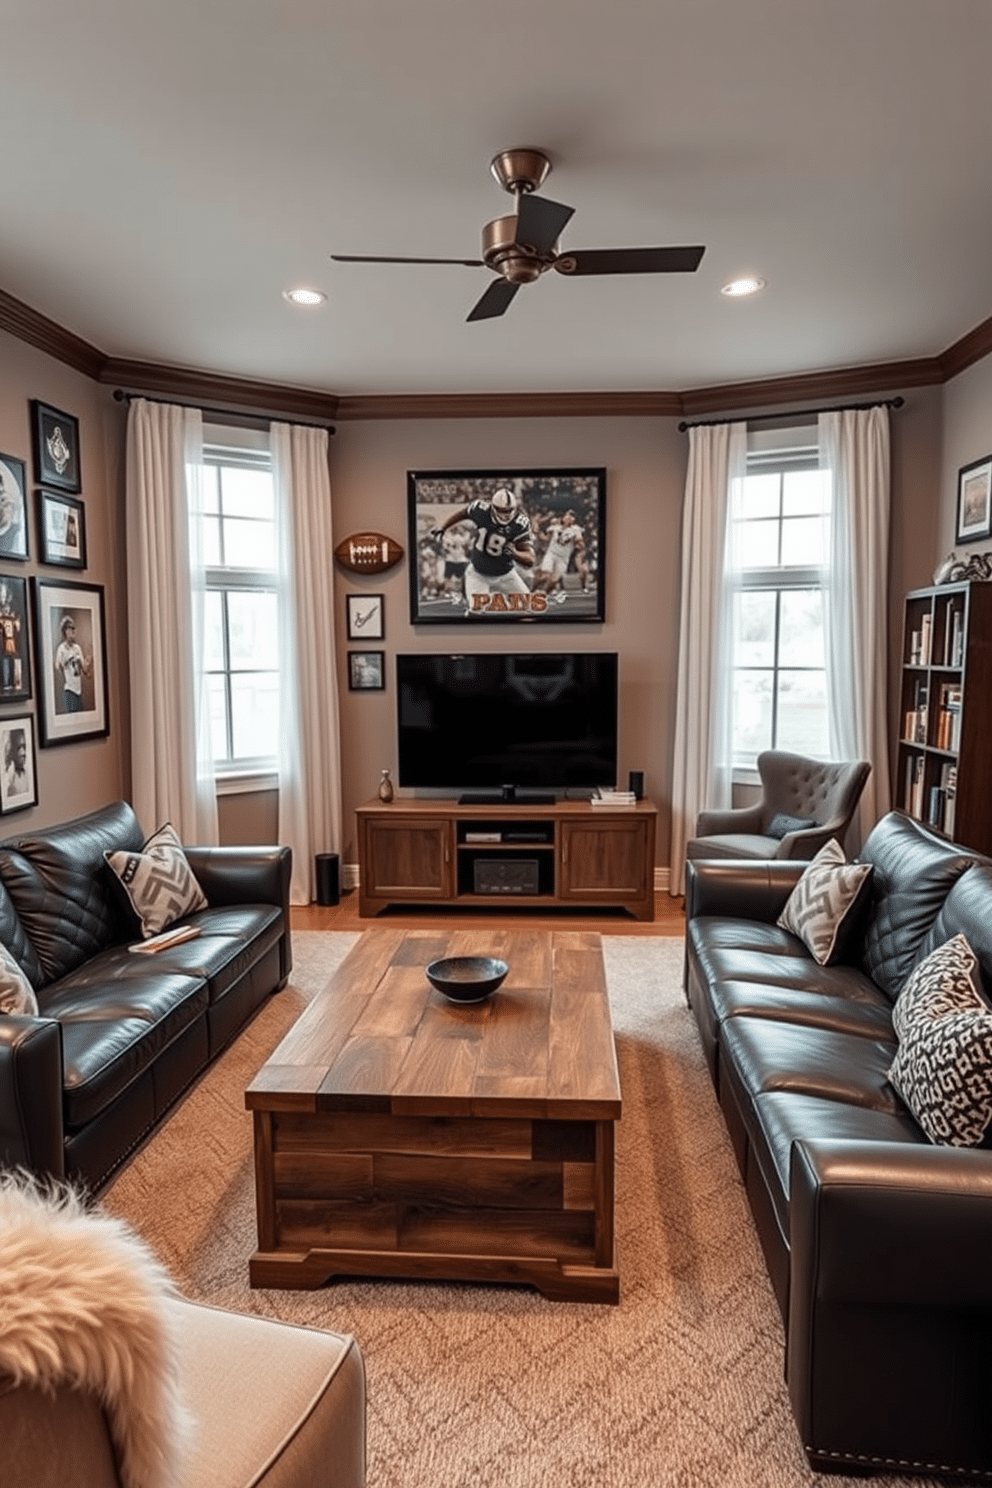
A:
(669, 918)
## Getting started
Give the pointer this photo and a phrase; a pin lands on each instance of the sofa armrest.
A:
(745, 889)
(733, 819)
(31, 1134)
(243, 875)
(890, 1301)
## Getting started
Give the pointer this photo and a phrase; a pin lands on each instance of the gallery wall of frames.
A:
(53, 657)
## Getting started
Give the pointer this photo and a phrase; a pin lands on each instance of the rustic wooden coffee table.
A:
(401, 1135)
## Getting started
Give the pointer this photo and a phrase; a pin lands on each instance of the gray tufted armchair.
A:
(804, 803)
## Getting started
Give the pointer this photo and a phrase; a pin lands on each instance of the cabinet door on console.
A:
(606, 861)
(405, 860)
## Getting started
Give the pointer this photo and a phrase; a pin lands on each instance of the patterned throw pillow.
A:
(159, 881)
(16, 992)
(943, 1066)
(823, 900)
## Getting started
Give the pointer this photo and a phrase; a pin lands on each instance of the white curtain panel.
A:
(172, 772)
(701, 775)
(309, 735)
(854, 447)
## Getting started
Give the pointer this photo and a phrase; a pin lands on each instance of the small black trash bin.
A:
(328, 873)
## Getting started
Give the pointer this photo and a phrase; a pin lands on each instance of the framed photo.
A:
(62, 525)
(367, 671)
(70, 661)
(18, 776)
(15, 659)
(56, 448)
(975, 500)
(13, 510)
(366, 617)
(517, 546)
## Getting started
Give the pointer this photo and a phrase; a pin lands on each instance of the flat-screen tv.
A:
(507, 726)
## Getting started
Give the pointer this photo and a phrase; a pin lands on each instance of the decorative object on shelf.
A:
(71, 661)
(385, 787)
(518, 546)
(366, 671)
(15, 663)
(13, 511)
(368, 553)
(975, 500)
(467, 978)
(976, 568)
(366, 617)
(62, 528)
(56, 448)
(18, 776)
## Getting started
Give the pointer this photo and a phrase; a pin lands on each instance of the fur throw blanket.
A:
(79, 1307)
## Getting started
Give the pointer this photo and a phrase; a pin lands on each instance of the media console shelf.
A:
(567, 854)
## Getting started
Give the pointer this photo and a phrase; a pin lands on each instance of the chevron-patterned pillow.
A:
(823, 899)
(159, 881)
(943, 1066)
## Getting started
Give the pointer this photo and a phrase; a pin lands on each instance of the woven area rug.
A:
(679, 1386)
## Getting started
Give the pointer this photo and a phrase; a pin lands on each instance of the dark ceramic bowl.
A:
(467, 978)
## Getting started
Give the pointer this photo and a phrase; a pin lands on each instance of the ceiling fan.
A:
(522, 246)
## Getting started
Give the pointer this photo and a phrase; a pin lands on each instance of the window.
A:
(779, 548)
(241, 623)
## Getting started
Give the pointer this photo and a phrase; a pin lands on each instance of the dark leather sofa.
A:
(119, 1037)
(878, 1244)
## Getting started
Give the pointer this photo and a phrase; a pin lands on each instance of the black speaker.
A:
(635, 783)
(328, 872)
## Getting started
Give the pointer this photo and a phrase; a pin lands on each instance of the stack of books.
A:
(613, 798)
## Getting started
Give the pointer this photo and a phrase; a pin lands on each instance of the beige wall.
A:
(967, 436)
(73, 778)
(937, 431)
(645, 462)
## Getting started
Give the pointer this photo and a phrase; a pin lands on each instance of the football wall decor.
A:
(368, 553)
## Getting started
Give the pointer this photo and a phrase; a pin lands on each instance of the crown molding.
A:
(507, 405)
(970, 349)
(46, 335)
(205, 388)
(842, 383)
(186, 384)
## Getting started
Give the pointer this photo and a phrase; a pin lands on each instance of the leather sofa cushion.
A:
(965, 912)
(862, 1010)
(913, 875)
(111, 1039)
(800, 971)
(231, 941)
(844, 1067)
(62, 890)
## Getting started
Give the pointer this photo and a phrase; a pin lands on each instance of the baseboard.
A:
(349, 878)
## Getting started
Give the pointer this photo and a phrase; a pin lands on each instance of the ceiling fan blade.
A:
(630, 261)
(469, 263)
(495, 301)
(540, 222)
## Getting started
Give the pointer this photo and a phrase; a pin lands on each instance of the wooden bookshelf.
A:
(945, 720)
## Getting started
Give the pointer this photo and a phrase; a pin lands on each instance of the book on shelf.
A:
(605, 797)
(913, 788)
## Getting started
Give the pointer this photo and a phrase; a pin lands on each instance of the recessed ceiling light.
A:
(746, 286)
(305, 296)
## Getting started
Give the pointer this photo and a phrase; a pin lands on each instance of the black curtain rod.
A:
(764, 418)
(238, 414)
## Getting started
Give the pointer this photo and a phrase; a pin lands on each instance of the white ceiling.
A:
(168, 169)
